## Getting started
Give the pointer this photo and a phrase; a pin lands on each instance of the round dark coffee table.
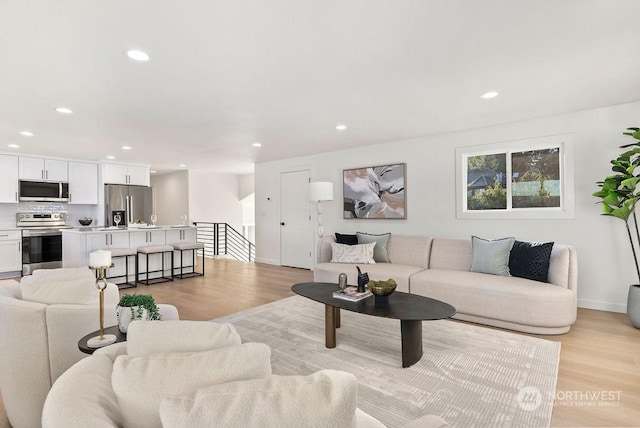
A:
(82, 343)
(410, 309)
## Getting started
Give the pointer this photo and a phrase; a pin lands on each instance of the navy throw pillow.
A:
(346, 239)
(530, 260)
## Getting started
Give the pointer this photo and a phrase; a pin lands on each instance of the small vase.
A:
(125, 317)
(633, 305)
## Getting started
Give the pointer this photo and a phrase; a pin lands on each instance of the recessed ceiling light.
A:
(14, 146)
(491, 94)
(138, 55)
(341, 127)
(64, 110)
(111, 157)
(182, 165)
(256, 144)
(153, 171)
(26, 133)
(126, 147)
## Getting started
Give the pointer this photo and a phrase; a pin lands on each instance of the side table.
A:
(82, 343)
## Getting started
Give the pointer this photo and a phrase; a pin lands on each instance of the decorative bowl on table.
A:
(85, 221)
(382, 290)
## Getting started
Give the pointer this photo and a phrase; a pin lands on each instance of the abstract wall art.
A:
(375, 192)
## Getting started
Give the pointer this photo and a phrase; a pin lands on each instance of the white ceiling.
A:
(224, 74)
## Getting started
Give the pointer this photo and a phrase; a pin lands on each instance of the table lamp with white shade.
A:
(317, 192)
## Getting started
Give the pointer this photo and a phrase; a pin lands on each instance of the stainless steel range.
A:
(41, 240)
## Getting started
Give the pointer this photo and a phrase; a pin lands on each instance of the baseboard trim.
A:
(268, 261)
(602, 306)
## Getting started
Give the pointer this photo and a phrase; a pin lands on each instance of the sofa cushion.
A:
(75, 290)
(328, 272)
(94, 403)
(361, 253)
(324, 399)
(346, 239)
(530, 260)
(491, 256)
(380, 252)
(511, 299)
(149, 337)
(141, 383)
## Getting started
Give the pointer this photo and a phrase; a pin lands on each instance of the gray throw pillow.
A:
(491, 256)
(380, 253)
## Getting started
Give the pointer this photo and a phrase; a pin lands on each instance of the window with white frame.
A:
(530, 178)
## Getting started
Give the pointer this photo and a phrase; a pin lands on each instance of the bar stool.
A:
(189, 246)
(126, 253)
(153, 249)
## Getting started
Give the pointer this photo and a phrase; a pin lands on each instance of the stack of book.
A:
(351, 293)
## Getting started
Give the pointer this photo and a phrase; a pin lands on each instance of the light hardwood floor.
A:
(600, 355)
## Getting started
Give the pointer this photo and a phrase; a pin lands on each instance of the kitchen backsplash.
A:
(74, 212)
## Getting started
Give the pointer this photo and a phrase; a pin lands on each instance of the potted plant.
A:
(133, 307)
(620, 194)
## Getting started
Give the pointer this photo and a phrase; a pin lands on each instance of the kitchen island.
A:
(77, 243)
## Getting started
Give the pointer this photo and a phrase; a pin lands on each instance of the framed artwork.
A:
(519, 179)
(376, 192)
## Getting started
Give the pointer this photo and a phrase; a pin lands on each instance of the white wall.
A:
(170, 196)
(605, 263)
(247, 185)
(215, 198)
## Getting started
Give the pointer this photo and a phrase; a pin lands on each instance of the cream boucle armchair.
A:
(41, 321)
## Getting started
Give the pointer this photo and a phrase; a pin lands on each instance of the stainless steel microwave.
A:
(44, 191)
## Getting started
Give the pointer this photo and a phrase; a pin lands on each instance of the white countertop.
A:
(114, 229)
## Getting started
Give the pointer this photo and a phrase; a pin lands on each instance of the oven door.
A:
(41, 249)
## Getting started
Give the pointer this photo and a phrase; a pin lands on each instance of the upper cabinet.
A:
(8, 179)
(43, 169)
(83, 183)
(114, 173)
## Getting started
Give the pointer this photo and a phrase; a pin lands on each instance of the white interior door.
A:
(295, 221)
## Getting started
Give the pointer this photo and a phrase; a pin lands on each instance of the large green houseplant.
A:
(133, 307)
(620, 193)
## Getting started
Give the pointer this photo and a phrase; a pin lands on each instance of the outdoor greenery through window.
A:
(534, 180)
(527, 178)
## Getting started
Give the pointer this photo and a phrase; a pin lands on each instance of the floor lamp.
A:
(317, 192)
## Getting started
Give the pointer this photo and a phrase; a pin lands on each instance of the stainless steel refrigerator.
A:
(133, 203)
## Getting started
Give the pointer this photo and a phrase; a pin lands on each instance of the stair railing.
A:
(223, 239)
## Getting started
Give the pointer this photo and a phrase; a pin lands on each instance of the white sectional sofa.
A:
(197, 374)
(41, 321)
(440, 268)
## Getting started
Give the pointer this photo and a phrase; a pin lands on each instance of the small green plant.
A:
(138, 303)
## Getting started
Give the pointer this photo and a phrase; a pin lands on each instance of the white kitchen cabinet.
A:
(11, 252)
(8, 179)
(106, 240)
(43, 169)
(83, 183)
(114, 173)
(141, 238)
(179, 235)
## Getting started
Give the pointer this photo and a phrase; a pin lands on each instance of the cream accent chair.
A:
(41, 321)
(96, 392)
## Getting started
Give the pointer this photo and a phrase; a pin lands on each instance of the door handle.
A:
(282, 223)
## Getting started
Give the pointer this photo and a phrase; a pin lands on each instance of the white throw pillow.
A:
(43, 289)
(324, 399)
(359, 253)
(141, 383)
(149, 337)
(491, 256)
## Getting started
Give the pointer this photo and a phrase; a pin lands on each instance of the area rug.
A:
(469, 375)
